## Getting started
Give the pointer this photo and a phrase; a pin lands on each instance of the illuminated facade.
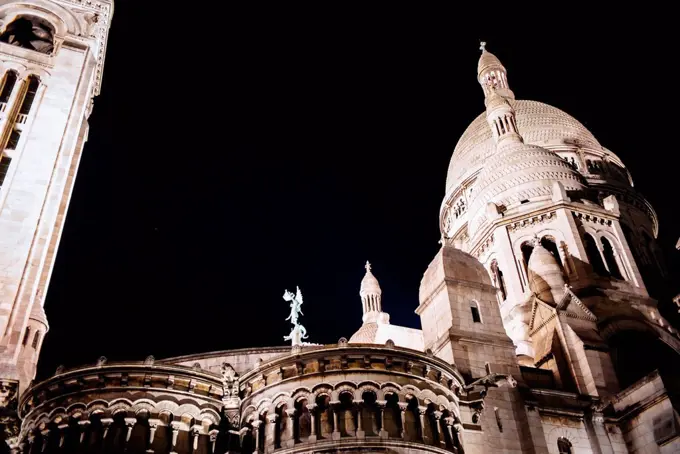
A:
(538, 334)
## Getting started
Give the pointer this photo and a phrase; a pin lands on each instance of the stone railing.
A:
(131, 406)
(356, 395)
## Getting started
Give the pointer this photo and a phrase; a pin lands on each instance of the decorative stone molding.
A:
(532, 221)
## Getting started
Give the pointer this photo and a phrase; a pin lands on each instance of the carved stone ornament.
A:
(9, 421)
(231, 403)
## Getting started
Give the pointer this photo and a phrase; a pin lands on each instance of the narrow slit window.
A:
(27, 335)
(13, 141)
(476, 316)
(8, 86)
(29, 97)
(5, 161)
(36, 339)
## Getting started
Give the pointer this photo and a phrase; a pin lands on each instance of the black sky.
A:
(233, 155)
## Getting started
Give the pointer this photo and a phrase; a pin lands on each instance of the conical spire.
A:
(370, 293)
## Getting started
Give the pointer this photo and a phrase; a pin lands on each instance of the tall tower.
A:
(52, 57)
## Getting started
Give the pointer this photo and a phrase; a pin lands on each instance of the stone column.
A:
(270, 430)
(196, 430)
(62, 433)
(175, 425)
(421, 412)
(437, 420)
(402, 411)
(30, 439)
(360, 433)
(336, 432)
(213, 439)
(290, 428)
(153, 426)
(129, 425)
(256, 433)
(106, 425)
(312, 416)
(45, 439)
(83, 427)
(382, 406)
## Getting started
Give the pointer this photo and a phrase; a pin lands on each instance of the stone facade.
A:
(538, 334)
(51, 62)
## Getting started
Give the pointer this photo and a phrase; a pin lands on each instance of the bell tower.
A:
(51, 62)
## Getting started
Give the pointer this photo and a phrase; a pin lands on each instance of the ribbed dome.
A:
(38, 314)
(516, 173)
(369, 284)
(545, 275)
(365, 335)
(486, 60)
(538, 123)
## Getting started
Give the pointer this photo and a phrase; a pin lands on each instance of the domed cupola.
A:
(492, 75)
(546, 280)
(516, 173)
(371, 295)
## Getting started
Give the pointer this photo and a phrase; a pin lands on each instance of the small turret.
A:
(371, 296)
(545, 275)
(492, 75)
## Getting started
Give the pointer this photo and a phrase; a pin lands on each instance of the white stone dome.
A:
(369, 285)
(517, 173)
(538, 123)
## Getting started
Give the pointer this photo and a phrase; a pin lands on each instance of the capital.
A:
(272, 417)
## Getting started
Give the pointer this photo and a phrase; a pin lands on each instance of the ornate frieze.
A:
(532, 221)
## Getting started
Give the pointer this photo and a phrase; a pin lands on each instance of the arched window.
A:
(31, 33)
(29, 97)
(608, 252)
(8, 83)
(527, 249)
(27, 335)
(5, 161)
(594, 256)
(476, 314)
(548, 243)
(498, 279)
(36, 339)
(563, 446)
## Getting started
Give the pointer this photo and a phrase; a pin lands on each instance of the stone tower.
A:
(52, 57)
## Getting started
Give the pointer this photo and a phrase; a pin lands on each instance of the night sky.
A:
(234, 155)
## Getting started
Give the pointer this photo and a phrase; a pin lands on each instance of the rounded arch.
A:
(561, 432)
(344, 387)
(637, 349)
(76, 407)
(62, 19)
(301, 393)
(279, 399)
(387, 389)
(143, 405)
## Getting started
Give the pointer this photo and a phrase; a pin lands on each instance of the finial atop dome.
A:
(368, 266)
(482, 46)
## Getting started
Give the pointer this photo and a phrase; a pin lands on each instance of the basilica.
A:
(537, 333)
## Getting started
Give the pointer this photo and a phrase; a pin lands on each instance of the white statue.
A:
(295, 305)
(299, 332)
